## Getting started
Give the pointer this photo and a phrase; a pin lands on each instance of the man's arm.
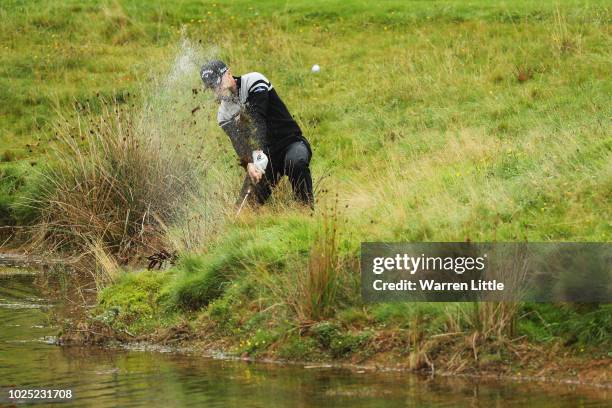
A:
(258, 109)
(239, 134)
(240, 141)
(258, 90)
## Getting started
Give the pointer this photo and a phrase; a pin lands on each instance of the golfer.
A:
(258, 124)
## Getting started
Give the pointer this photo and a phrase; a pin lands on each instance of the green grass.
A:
(430, 121)
(581, 326)
(425, 92)
(135, 303)
(16, 179)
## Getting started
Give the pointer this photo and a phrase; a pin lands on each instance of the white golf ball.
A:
(316, 68)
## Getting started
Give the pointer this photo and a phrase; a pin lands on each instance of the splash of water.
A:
(189, 58)
(179, 117)
(176, 111)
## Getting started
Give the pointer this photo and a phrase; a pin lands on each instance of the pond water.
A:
(98, 377)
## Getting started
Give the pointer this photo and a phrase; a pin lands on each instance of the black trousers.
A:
(292, 162)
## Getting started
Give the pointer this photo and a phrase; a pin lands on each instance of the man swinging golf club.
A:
(269, 143)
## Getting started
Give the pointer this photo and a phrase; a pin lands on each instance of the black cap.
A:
(212, 72)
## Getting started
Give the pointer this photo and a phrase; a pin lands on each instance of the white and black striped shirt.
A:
(256, 118)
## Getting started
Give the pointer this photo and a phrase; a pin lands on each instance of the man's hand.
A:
(254, 173)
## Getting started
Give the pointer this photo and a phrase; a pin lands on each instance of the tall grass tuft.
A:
(494, 320)
(110, 186)
(316, 283)
(320, 287)
(131, 174)
(105, 270)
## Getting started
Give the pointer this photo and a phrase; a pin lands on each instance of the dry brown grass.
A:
(105, 268)
(317, 288)
(111, 186)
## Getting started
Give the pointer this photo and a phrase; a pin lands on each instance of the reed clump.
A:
(110, 185)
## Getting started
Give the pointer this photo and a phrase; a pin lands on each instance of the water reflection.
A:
(107, 378)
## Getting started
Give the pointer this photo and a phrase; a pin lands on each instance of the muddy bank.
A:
(530, 363)
(448, 354)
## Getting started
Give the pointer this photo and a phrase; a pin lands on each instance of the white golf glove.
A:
(260, 160)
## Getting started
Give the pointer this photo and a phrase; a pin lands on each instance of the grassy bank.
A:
(249, 298)
(430, 121)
